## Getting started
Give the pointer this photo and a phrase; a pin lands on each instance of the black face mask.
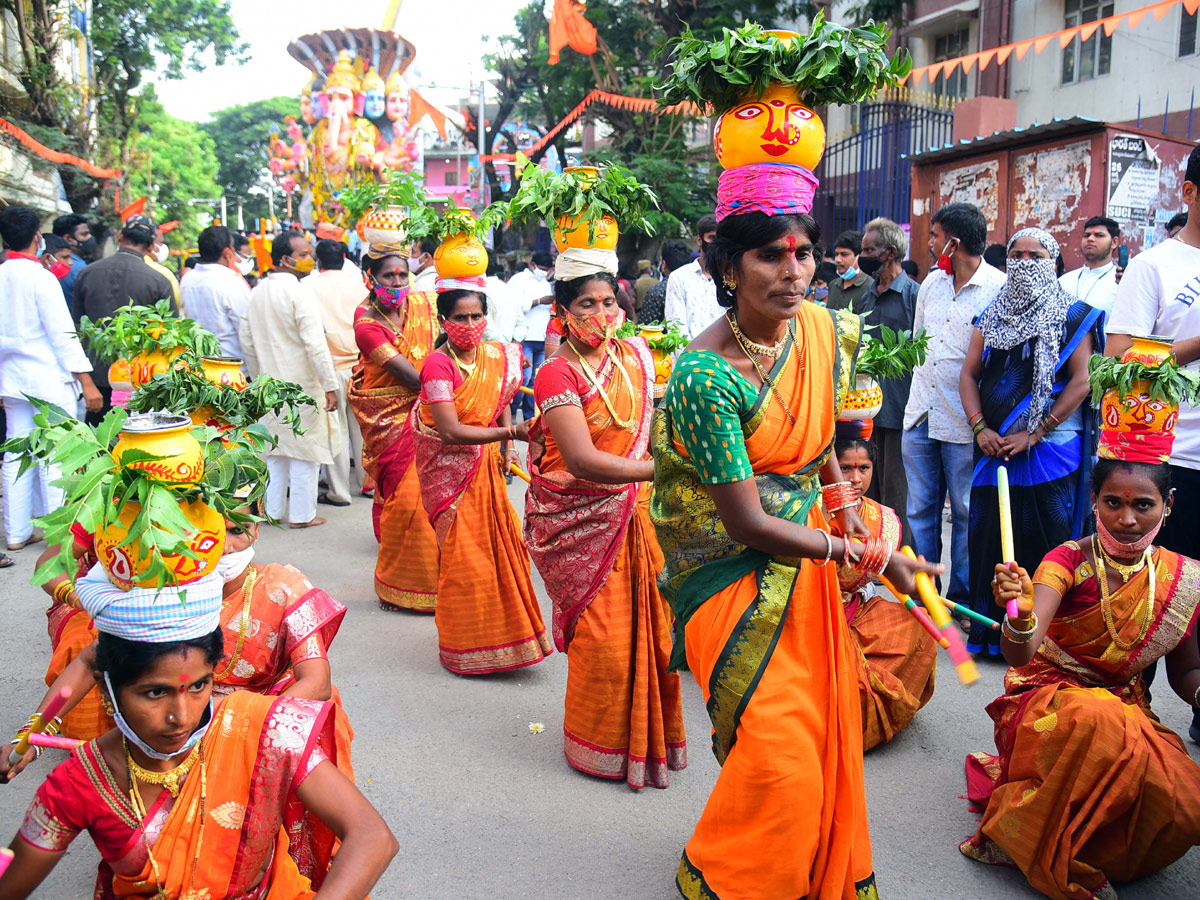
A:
(86, 249)
(869, 265)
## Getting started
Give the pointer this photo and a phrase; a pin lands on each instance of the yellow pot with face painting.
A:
(574, 231)
(126, 565)
(461, 256)
(774, 128)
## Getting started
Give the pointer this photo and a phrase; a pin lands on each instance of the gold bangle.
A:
(1020, 636)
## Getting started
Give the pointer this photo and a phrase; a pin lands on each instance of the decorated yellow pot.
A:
(126, 565)
(1150, 350)
(382, 226)
(662, 359)
(225, 371)
(864, 402)
(206, 415)
(574, 232)
(145, 366)
(460, 256)
(1138, 426)
(166, 436)
(587, 175)
(120, 376)
(776, 128)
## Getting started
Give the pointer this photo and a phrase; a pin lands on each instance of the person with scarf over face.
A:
(187, 796)
(1023, 386)
(1087, 786)
(487, 615)
(587, 524)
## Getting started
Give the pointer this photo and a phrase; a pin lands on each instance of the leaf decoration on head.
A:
(429, 223)
(134, 330)
(831, 64)
(1167, 381)
(893, 354)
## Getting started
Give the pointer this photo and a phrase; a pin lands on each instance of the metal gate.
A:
(864, 175)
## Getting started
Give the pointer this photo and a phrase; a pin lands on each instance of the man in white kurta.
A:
(281, 334)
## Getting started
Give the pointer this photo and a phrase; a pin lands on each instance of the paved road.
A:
(485, 809)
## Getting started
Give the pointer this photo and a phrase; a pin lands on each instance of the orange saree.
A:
(765, 638)
(72, 632)
(595, 549)
(1088, 785)
(406, 568)
(487, 613)
(896, 657)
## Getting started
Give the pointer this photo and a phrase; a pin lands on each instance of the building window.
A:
(1187, 33)
(451, 179)
(951, 46)
(1085, 60)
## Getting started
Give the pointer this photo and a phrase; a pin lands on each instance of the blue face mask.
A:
(130, 735)
(850, 274)
(820, 293)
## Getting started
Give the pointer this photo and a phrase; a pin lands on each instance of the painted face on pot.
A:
(776, 128)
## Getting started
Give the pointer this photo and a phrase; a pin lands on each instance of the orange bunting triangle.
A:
(569, 28)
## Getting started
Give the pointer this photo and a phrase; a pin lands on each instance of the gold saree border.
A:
(690, 881)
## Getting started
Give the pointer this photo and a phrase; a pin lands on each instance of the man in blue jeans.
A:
(938, 444)
(536, 292)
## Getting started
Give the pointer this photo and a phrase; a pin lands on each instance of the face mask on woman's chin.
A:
(233, 564)
(594, 330)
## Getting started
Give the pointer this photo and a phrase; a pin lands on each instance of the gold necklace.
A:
(390, 324)
(137, 773)
(170, 779)
(247, 592)
(766, 378)
(1125, 571)
(467, 369)
(593, 377)
(774, 351)
(1106, 605)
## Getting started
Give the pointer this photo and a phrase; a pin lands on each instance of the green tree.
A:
(240, 134)
(171, 162)
(128, 40)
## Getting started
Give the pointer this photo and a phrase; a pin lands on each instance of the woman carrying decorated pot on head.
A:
(487, 613)
(1024, 385)
(395, 329)
(588, 529)
(743, 454)
(1087, 786)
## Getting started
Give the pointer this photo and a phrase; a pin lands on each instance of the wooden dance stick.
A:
(519, 472)
(967, 673)
(1006, 533)
(6, 856)
(919, 613)
(39, 724)
(54, 741)
(971, 614)
(526, 390)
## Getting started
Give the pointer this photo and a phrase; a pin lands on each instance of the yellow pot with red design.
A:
(773, 128)
(384, 226)
(1138, 426)
(126, 565)
(223, 371)
(461, 256)
(864, 401)
(162, 445)
(662, 359)
(574, 231)
(120, 375)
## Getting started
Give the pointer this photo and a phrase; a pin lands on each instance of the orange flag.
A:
(568, 28)
(419, 108)
(136, 208)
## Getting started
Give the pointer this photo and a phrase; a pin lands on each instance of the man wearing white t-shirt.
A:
(1160, 295)
(1095, 282)
(536, 292)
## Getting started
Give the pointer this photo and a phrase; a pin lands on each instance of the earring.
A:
(1167, 513)
(730, 283)
(109, 709)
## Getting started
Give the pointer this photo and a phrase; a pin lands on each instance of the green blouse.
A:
(708, 399)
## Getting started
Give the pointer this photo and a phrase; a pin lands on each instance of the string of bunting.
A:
(1000, 55)
(56, 156)
(618, 101)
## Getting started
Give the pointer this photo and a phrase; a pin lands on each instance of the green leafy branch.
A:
(184, 388)
(893, 354)
(613, 191)
(97, 488)
(831, 64)
(428, 223)
(1168, 381)
(135, 330)
(394, 189)
(667, 340)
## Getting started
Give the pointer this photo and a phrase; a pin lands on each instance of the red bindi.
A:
(791, 243)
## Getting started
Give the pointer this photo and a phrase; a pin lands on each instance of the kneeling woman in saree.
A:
(1087, 786)
(588, 528)
(184, 798)
(277, 629)
(395, 329)
(742, 446)
(1024, 386)
(897, 658)
(487, 613)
